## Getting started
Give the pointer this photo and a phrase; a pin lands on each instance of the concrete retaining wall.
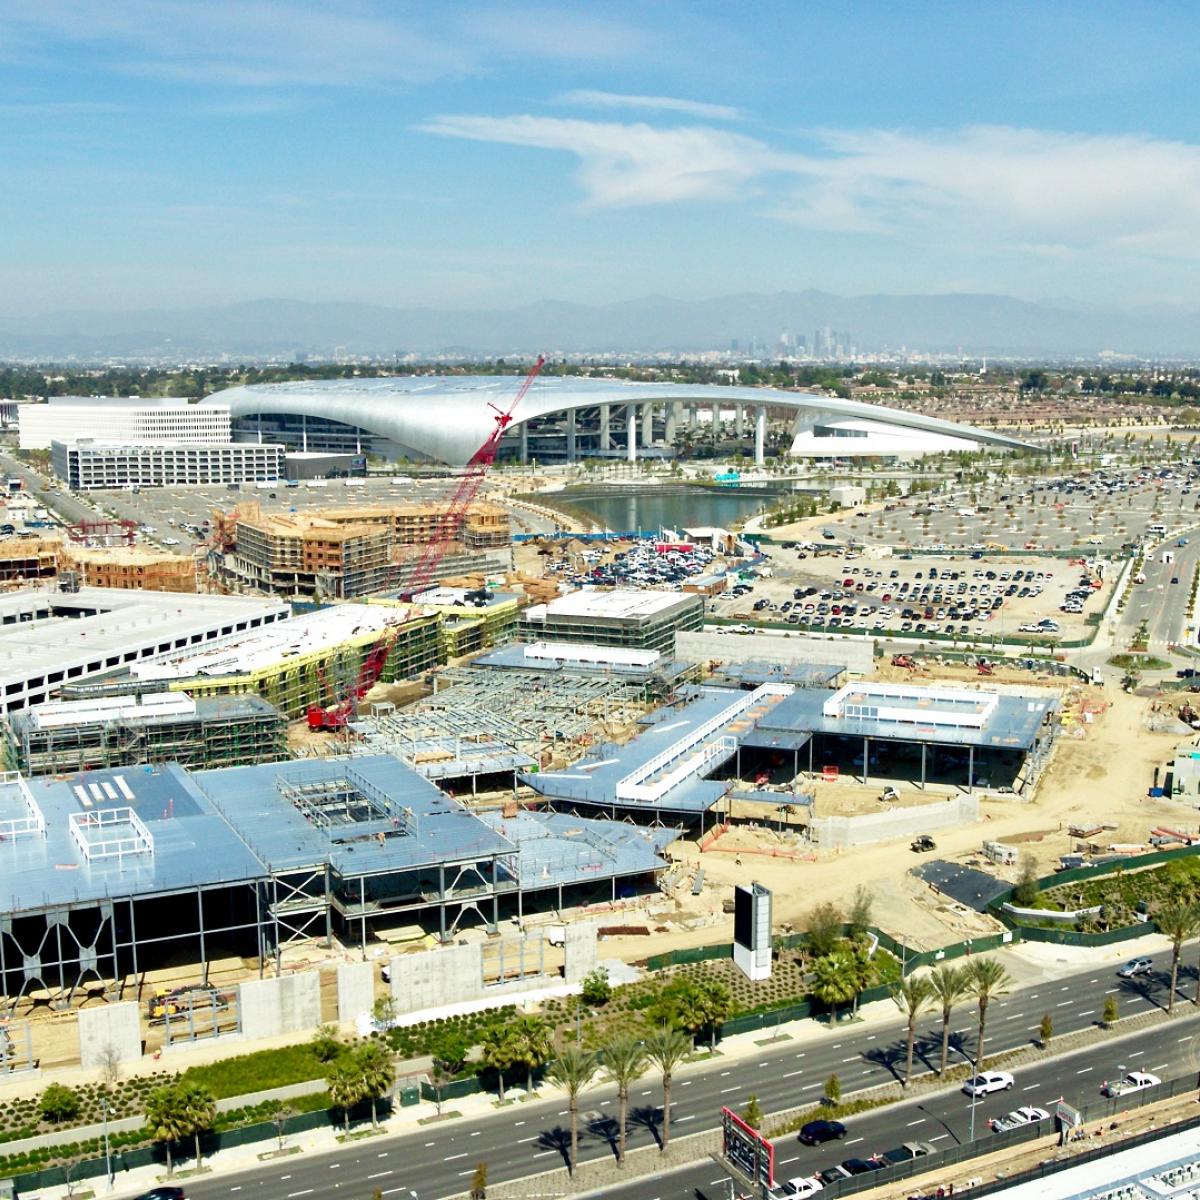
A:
(454, 974)
(289, 1004)
(355, 989)
(834, 832)
(855, 654)
(114, 1025)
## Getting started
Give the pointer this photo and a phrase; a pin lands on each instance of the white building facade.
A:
(121, 419)
(85, 464)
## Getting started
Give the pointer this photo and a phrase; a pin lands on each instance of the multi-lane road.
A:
(526, 1139)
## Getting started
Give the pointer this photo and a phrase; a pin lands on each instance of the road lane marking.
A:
(540, 1154)
(854, 1141)
(1063, 1003)
(852, 1058)
(379, 1174)
(940, 1137)
(726, 1091)
(793, 1074)
(522, 1141)
(293, 1195)
(680, 1120)
(912, 1123)
(452, 1157)
(1084, 1070)
(1031, 1087)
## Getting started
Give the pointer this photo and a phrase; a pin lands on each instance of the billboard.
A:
(752, 930)
(746, 1149)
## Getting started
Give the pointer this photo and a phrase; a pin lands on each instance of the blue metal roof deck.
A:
(401, 821)
(193, 846)
(557, 848)
(1013, 726)
(594, 779)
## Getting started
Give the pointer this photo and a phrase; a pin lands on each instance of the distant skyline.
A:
(165, 153)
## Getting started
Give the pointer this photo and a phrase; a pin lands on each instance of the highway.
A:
(1159, 602)
(525, 1139)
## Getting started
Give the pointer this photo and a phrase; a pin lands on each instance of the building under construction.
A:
(346, 552)
(521, 708)
(309, 660)
(473, 619)
(112, 731)
(108, 875)
(28, 559)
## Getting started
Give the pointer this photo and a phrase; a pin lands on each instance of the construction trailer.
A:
(307, 661)
(106, 876)
(145, 727)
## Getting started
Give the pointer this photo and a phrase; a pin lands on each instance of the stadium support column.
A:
(605, 411)
(673, 407)
(693, 416)
(740, 418)
(524, 428)
(970, 770)
(760, 435)
(716, 422)
(570, 435)
(647, 425)
(631, 432)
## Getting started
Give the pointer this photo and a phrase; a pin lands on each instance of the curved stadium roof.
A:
(448, 417)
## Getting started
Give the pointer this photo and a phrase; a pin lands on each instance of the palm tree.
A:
(1177, 921)
(165, 1118)
(835, 980)
(948, 985)
(345, 1082)
(531, 1044)
(986, 978)
(911, 996)
(378, 1074)
(499, 1051)
(623, 1060)
(715, 1003)
(666, 1048)
(572, 1070)
(199, 1111)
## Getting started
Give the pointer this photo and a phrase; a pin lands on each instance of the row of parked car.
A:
(817, 1133)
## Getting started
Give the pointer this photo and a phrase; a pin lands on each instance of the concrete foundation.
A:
(289, 1004)
(855, 654)
(355, 989)
(840, 832)
(115, 1026)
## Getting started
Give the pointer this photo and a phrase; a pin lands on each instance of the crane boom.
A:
(450, 521)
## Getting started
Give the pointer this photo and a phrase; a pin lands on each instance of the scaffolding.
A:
(56, 738)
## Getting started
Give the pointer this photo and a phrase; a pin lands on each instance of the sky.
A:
(172, 153)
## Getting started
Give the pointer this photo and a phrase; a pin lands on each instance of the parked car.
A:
(923, 844)
(816, 1132)
(798, 1188)
(905, 1153)
(1135, 1081)
(1135, 967)
(987, 1082)
(1028, 1115)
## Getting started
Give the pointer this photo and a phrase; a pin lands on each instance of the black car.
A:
(162, 1193)
(816, 1132)
(860, 1166)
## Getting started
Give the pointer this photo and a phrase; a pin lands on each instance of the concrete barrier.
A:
(112, 1032)
(289, 1004)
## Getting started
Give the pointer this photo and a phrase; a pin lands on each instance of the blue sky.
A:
(163, 153)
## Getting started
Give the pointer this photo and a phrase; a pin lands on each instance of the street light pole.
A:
(107, 1154)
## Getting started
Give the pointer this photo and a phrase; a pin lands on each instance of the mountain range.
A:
(972, 324)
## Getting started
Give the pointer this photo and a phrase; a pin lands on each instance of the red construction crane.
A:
(338, 714)
(450, 522)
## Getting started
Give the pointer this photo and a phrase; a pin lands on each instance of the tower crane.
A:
(450, 521)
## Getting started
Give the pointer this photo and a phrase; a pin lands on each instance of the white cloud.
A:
(985, 188)
(627, 165)
(587, 98)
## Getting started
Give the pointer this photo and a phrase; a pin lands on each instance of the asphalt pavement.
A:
(526, 1139)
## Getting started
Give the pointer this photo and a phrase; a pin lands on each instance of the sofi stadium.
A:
(446, 418)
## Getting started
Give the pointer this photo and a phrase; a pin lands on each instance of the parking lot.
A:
(1105, 510)
(993, 596)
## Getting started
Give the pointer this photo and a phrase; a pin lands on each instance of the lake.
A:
(673, 506)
